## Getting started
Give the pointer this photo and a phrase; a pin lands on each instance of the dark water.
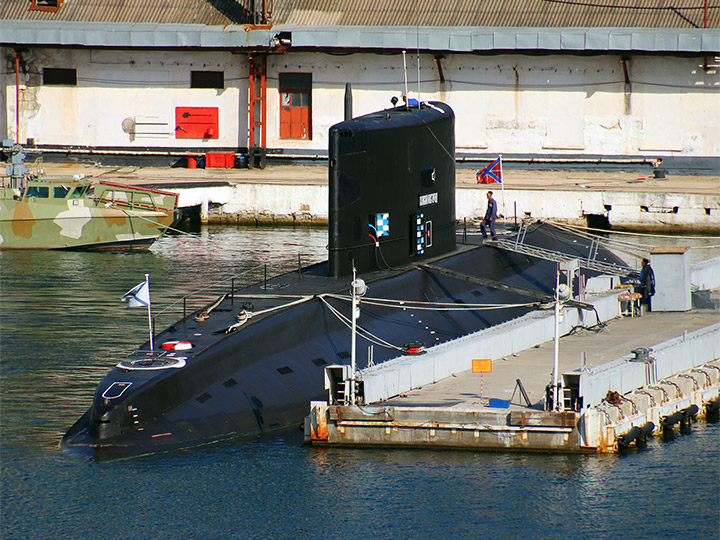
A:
(62, 327)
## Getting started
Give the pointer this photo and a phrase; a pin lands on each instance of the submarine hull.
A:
(253, 362)
(262, 376)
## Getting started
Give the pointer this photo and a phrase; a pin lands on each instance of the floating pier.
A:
(622, 381)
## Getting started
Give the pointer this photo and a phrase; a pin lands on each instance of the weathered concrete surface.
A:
(468, 410)
(618, 422)
(534, 366)
(298, 193)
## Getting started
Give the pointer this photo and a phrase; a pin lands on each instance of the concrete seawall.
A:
(298, 194)
(259, 204)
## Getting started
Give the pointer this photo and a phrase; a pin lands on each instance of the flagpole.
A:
(147, 284)
(502, 189)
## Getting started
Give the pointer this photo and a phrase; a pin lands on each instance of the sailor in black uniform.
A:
(647, 284)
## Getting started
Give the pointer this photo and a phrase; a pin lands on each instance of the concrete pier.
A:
(297, 195)
(612, 397)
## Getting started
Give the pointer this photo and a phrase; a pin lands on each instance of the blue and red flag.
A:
(492, 174)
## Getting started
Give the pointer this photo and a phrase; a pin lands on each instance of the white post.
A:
(556, 397)
(147, 284)
(353, 316)
(417, 31)
(502, 190)
(407, 98)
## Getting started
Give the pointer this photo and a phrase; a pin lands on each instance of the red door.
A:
(295, 106)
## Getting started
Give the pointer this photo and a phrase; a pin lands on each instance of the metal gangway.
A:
(590, 262)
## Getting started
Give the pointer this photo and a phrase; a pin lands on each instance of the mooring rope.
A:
(576, 228)
(432, 306)
(372, 338)
(168, 227)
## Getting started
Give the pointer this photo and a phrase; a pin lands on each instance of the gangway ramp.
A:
(590, 262)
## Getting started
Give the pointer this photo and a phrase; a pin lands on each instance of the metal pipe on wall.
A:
(17, 97)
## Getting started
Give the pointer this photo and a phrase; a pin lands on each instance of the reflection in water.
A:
(63, 326)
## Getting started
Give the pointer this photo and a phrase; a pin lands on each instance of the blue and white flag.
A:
(138, 296)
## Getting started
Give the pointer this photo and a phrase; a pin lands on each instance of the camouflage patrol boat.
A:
(79, 213)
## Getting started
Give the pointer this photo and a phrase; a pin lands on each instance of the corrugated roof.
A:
(207, 12)
(437, 13)
(436, 39)
(500, 13)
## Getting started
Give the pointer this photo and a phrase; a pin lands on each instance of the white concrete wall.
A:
(116, 84)
(645, 209)
(570, 206)
(671, 357)
(554, 104)
(525, 104)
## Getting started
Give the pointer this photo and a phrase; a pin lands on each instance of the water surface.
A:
(63, 327)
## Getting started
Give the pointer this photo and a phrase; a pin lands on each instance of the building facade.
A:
(582, 95)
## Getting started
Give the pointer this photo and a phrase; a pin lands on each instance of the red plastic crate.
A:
(220, 159)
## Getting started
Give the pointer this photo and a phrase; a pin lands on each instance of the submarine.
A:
(251, 361)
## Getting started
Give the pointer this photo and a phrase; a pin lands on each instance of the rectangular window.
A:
(59, 192)
(45, 5)
(37, 192)
(207, 79)
(296, 106)
(59, 76)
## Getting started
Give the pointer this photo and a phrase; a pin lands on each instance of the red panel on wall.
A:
(196, 123)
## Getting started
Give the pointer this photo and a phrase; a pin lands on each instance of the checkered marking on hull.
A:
(382, 224)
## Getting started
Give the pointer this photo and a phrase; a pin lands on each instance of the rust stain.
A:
(161, 221)
(23, 222)
(319, 432)
(112, 218)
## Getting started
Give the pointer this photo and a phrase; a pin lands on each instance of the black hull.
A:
(262, 376)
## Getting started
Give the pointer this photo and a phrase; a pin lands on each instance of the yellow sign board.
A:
(482, 366)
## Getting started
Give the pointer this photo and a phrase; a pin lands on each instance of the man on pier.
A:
(647, 284)
(490, 217)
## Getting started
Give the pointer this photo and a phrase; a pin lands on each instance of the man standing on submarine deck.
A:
(490, 217)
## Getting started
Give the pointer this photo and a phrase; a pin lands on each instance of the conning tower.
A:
(392, 188)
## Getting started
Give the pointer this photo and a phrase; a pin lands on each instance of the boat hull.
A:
(110, 217)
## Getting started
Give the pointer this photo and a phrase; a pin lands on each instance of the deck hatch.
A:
(115, 390)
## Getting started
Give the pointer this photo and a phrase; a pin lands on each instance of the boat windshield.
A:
(78, 192)
(60, 192)
(37, 192)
